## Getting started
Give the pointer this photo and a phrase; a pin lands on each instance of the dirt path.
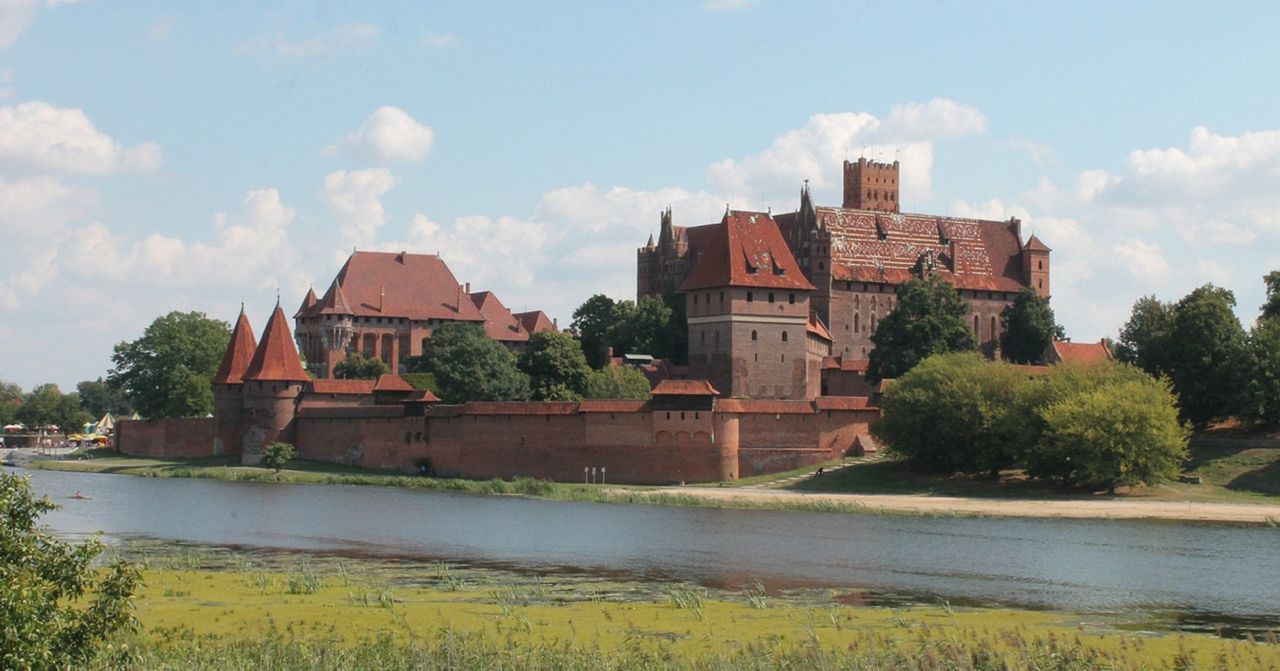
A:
(1250, 513)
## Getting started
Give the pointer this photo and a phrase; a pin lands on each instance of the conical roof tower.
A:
(239, 352)
(276, 358)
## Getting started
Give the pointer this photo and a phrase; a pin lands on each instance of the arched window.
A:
(754, 336)
(1039, 265)
(784, 336)
(976, 332)
(855, 323)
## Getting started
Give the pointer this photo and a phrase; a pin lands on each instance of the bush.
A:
(54, 610)
(276, 455)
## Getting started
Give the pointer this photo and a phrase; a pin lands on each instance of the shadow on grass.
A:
(897, 476)
(1264, 480)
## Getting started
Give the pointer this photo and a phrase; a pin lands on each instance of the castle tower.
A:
(869, 185)
(272, 383)
(1035, 265)
(228, 388)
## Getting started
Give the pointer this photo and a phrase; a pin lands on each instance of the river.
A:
(1183, 575)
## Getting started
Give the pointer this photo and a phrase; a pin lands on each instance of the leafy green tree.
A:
(556, 367)
(356, 367)
(470, 366)
(10, 400)
(1208, 357)
(929, 319)
(592, 322)
(954, 412)
(46, 404)
(643, 328)
(1144, 339)
(1028, 328)
(1125, 433)
(54, 609)
(1271, 308)
(98, 398)
(167, 372)
(276, 455)
(617, 382)
(1264, 388)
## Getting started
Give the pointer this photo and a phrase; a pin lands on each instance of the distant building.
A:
(385, 305)
(853, 259)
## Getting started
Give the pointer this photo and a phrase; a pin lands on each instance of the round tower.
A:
(272, 386)
(228, 388)
(726, 437)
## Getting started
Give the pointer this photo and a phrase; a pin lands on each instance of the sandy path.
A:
(1165, 510)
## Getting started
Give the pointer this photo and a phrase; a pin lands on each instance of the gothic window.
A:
(784, 336)
(754, 336)
(1039, 265)
(855, 323)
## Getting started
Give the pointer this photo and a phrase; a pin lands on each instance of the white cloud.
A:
(345, 36)
(938, 119)
(355, 200)
(439, 40)
(39, 207)
(41, 137)
(389, 135)
(14, 17)
(1141, 259)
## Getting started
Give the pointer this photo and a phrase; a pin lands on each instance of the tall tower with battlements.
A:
(869, 185)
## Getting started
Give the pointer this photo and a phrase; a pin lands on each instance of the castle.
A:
(842, 264)
(780, 311)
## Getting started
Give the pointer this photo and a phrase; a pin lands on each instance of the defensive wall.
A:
(633, 441)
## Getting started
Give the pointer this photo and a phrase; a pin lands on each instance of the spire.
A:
(308, 302)
(239, 351)
(276, 357)
(334, 302)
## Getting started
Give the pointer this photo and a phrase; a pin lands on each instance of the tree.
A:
(592, 322)
(1264, 388)
(556, 367)
(55, 609)
(1028, 327)
(98, 398)
(642, 328)
(1144, 339)
(276, 455)
(1124, 433)
(10, 401)
(954, 412)
(1271, 308)
(167, 372)
(470, 366)
(929, 319)
(46, 404)
(1208, 358)
(356, 367)
(617, 382)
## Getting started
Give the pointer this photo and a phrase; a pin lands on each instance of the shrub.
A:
(276, 455)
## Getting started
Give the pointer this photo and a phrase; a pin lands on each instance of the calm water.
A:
(1187, 575)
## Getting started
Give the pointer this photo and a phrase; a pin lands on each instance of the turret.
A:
(228, 388)
(1035, 265)
(272, 384)
(870, 185)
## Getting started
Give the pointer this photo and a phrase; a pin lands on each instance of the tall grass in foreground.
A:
(923, 650)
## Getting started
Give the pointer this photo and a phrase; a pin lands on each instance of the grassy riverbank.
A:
(228, 610)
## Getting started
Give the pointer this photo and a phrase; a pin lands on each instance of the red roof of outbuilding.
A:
(276, 357)
(400, 285)
(817, 328)
(392, 382)
(1082, 352)
(841, 363)
(745, 249)
(499, 323)
(684, 388)
(239, 353)
(361, 387)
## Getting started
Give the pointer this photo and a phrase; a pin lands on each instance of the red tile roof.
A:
(239, 353)
(423, 396)
(841, 402)
(854, 365)
(604, 405)
(1034, 245)
(333, 303)
(817, 328)
(309, 301)
(499, 323)
(684, 388)
(392, 382)
(400, 285)
(276, 357)
(535, 321)
(745, 249)
(871, 246)
(362, 387)
(1090, 352)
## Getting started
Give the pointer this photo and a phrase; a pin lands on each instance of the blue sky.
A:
(159, 156)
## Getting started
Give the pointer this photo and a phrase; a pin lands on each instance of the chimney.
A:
(458, 305)
(468, 289)
(555, 323)
(382, 294)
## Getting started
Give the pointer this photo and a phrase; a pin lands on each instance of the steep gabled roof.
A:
(276, 358)
(499, 323)
(1081, 352)
(309, 301)
(392, 382)
(535, 321)
(239, 353)
(745, 249)
(398, 285)
(333, 303)
(817, 328)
